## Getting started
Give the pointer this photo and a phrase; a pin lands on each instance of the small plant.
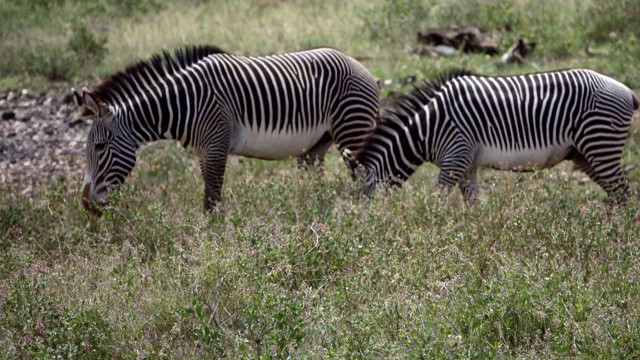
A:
(87, 48)
(44, 329)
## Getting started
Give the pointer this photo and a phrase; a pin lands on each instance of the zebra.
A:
(216, 103)
(463, 122)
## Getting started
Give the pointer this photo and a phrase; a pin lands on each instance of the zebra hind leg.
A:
(314, 158)
(615, 184)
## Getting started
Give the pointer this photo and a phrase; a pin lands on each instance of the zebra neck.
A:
(396, 149)
(137, 129)
(155, 115)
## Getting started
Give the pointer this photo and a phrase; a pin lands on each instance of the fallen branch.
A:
(517, 52)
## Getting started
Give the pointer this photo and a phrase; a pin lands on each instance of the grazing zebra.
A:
(215, 103)
(462, 123)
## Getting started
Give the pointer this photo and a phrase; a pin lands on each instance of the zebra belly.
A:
(275, 145)
(523, 159)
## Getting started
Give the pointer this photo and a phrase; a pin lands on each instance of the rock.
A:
(77, 122)
(8, 115)
(68, 99)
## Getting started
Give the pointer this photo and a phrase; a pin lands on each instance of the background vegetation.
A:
(298, 265)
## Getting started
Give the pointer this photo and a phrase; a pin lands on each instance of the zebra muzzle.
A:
(88, 204)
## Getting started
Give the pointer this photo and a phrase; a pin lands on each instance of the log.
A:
(465, 39)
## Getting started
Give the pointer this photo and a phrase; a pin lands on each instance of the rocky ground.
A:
(41, 135)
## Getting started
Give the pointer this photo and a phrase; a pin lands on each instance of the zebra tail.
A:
(636, 102)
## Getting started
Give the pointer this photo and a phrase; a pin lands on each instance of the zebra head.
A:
(359, 171)
(110, 155)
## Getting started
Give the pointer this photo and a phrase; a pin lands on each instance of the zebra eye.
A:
(100, 145)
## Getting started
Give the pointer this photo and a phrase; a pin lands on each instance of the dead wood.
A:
(465, 39)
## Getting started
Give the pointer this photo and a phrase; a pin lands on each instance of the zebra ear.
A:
(77, 98)
(94, 104)
(349, 159)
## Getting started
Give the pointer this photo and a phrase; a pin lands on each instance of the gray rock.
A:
(8, 115)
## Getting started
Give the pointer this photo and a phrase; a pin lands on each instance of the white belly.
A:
(274, 145)
(526, 159)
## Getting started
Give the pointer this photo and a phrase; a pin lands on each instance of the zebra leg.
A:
(581, 164)
(455, 169)
(315, 156)
(213, 166)
(469, 185)
(607, 174)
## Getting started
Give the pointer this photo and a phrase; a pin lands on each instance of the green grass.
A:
(296, 265)
(299, 265)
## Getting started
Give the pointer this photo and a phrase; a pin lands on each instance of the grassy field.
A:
(298, 265)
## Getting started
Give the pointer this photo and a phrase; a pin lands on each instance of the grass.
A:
(298, 265)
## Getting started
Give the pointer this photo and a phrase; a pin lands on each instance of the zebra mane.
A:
(421, 94)
(159, 66)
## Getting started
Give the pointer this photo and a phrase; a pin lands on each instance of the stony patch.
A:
(42, 135)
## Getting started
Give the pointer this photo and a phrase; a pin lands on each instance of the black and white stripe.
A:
(462, 123)
(215, 103)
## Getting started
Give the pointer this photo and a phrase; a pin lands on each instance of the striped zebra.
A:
(215, 104)
(462, 123)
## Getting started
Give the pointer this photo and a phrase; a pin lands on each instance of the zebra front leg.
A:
(456, 169)
(213, 166)
(469, 185)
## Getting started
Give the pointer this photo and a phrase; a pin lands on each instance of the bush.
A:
(55, 61)
(399, 20)
(58, 57)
